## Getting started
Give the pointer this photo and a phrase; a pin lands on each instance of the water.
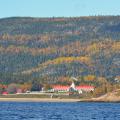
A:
(59, 111)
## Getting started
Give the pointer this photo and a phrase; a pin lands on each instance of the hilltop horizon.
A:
(7, 17)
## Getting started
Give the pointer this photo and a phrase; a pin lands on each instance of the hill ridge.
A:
(27, 42)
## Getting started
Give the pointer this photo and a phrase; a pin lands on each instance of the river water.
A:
(59, 111)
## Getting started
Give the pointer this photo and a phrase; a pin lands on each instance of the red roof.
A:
(4, 93)
(84, 87)
(62, 87)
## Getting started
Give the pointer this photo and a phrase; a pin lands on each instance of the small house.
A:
(4, 93)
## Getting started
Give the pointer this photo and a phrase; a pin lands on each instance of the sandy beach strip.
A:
(37, 100)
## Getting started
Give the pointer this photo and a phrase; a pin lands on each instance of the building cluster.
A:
(80, 89)
(54, 89)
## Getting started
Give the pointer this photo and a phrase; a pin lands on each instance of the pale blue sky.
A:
(58, 8)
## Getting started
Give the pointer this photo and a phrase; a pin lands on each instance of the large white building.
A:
(80, 88)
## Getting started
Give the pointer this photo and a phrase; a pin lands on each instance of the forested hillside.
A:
(51, 50)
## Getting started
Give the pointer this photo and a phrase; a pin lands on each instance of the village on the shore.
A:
(54, 89)
(57, 90)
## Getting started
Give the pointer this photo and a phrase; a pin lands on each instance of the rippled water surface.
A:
(59, 111)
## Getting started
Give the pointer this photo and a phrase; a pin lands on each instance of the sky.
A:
(58, 8)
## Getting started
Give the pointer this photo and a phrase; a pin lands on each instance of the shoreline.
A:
(37, 100)
(109, 97)
(55, 100)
